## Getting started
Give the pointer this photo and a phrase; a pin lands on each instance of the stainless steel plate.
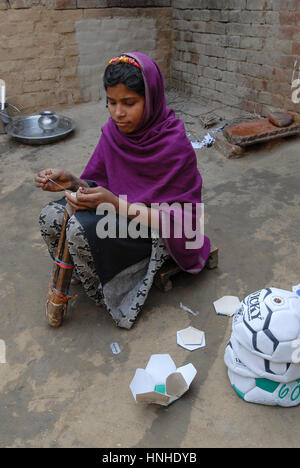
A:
(27, 130)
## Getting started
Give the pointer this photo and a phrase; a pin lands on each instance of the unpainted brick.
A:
(285, 5)
(251, 69)
(206, 82)
(213, 73)
(186, 4)
(280, 46)
(4, 5)
(65, 27)
(221, 63)
(215, 28)
(218, 15)
(259, 4)
(232, 41)
(51, 74)
(254, 43)
(215, 51)
(235, 54)
(236, 4)
(272, 17)
(40, 85)
(247, 17)
(20, 3)
(91, 3)
(217, 4)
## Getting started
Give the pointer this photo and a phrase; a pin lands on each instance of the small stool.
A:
(162, 278)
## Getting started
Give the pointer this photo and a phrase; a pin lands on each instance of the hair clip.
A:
(124, 59)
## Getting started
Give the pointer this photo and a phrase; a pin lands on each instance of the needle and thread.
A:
(58, 185)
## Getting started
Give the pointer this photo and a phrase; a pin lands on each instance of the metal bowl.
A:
(28, 129)
(48, 121)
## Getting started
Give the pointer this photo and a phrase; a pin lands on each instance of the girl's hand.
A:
(90, 198)
(64, 179)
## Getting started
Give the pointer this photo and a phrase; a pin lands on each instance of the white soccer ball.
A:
(268, 324)
(259, 390)
(259, 367)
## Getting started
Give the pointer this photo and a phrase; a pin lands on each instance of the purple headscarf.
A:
(154, 164)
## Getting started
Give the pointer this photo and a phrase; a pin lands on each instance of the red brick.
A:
(195, 58)
(288, 32)
(287, 18)
(287, 61)
(65, 4)
(188, 36)
(296, 48)
(277, 75)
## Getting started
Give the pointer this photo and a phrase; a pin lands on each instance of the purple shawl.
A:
(155, 164)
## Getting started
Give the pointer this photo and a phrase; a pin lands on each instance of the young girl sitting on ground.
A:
(144, 169)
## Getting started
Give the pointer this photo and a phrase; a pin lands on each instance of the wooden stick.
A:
(57, 301)
(60, 247)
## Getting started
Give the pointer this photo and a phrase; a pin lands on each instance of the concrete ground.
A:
(64, 387)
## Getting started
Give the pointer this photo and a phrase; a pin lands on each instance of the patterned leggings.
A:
(50, 220)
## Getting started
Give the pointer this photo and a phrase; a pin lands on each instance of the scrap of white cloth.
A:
(207, 141)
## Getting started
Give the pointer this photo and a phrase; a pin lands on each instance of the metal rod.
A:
(14, 107)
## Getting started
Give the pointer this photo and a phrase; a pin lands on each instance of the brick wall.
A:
(103, 38)
(53, 52)
(237, 52)
(241, 53)
(73, 4)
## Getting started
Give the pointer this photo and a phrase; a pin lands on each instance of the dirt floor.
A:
(64, 387)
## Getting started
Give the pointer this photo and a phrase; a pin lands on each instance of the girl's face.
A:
(126, 107)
